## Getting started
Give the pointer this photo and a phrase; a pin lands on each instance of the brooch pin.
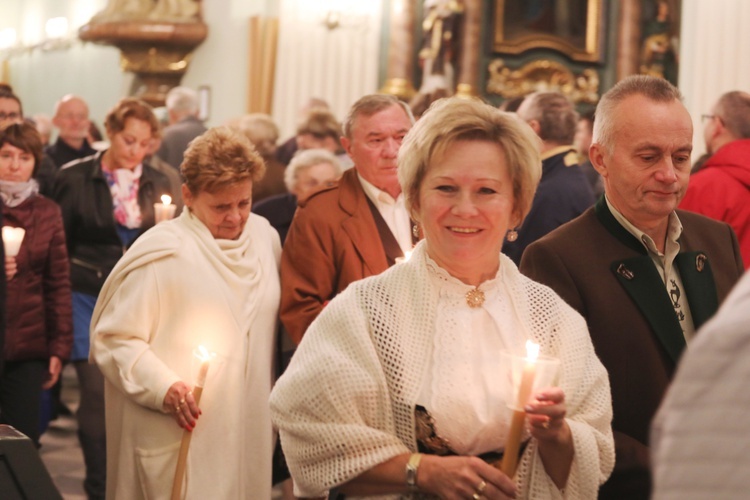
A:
(625, 272)
(475, 298)
(700, 262)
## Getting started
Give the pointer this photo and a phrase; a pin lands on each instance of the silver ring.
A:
(545, 425)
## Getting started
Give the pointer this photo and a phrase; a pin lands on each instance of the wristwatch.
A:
(412, 466)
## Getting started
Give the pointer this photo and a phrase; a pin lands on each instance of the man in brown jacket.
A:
(644, 275)
(355, 229)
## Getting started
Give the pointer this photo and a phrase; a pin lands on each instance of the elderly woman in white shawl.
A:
(398, 386)
(208, 278)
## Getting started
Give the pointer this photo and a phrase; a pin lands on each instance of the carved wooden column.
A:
(629, 38)
(400, 71)
(468, 78)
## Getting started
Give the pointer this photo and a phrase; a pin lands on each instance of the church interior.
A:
(245, 57)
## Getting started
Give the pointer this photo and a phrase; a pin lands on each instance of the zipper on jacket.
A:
(86, 265)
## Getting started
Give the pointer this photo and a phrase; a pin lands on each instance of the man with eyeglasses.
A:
(721, 189)
(11, 111)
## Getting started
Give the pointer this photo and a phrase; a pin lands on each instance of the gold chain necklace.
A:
(475, 298)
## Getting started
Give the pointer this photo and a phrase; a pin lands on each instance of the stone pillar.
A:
(628, 38)
(400, 71)
(471, 44)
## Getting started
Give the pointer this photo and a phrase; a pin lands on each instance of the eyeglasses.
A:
(9, 116)
(705, 118)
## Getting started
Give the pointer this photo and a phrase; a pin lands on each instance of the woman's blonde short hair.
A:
(306, 159)
(457, 119)
(219, 158)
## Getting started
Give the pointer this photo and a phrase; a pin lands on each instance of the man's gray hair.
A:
(652, 88)
(183, 101)
(371, 104)
(306, 159)
(556, 114)
(733, 109)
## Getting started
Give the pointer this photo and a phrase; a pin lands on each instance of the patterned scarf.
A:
(123, 185)
(15, 193)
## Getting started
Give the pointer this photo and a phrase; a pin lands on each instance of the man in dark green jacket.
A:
(644, 275)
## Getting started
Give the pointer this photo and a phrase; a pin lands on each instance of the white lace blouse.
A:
(467, 387)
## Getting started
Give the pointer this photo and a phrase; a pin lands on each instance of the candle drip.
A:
(475, 298)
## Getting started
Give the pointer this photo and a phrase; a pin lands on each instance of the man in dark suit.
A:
(72, 122)
(355, 229)
(644, 275)
(563, 193)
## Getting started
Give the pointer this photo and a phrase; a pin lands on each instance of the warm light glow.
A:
(56, 27)
(405, 258)
(166, 199)
(7, 38)
(202, 353)
(12, 239)
(532, 350)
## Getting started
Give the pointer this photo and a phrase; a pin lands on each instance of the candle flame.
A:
(203, 354)
(532, 350)
(13, 233)
(166, 199)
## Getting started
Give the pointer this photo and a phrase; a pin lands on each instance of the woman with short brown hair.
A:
(207, 278)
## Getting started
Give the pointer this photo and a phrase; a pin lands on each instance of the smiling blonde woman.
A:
(397, 387)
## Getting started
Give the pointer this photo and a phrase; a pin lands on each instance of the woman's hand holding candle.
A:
(11, 267)
(181, 403)
(546, 415)
(547, 424)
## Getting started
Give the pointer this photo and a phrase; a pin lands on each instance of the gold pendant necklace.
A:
(475, 298)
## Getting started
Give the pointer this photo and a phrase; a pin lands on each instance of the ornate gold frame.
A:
(543, 75)
(591, 51)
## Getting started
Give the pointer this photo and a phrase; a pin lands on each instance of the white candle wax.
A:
(12, 239)
(164, 210)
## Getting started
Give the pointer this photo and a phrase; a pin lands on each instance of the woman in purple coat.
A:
(38, 335)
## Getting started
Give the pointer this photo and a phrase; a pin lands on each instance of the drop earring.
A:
(415, 230)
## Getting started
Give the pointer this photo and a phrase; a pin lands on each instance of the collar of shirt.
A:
(393, 211)
(556, 151)
(672, 247)
(377, 196)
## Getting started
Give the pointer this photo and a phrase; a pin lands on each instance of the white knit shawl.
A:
(346, 402)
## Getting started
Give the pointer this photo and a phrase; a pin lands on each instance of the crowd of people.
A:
(349, 299)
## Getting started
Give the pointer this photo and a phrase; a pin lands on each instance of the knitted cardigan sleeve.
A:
(332, 405)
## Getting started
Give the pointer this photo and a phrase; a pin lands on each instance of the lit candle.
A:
(12, 239)
(205, 357)
(405, 258)
(513, 443)
(164, 210)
